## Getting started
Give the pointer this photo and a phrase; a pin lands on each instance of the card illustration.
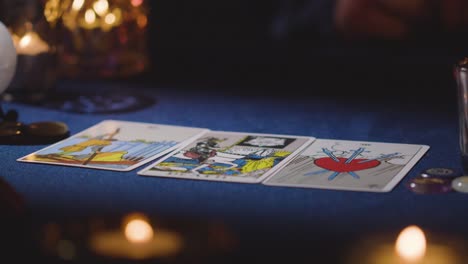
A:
(266, 142)
(353, 165)
(114, 145)
(230, 156)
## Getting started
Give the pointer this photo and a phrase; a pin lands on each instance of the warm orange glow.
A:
(25, 40)
(110, 19)
(101, 7)
(411, 244)
(142, 21)
(52, 11)
(136, 3)
(138, 231)
(136, 240)
(90, 16)
(30, 44)
(77, 4)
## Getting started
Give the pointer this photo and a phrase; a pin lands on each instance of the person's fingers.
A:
(365, 18)
(452, 13)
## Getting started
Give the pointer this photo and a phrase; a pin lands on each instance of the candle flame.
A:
(77, 4)
(138, 231)
(29, 44)
(25, 40)
(411, 244)
(90, 16)
(101, 7)
(110, 19)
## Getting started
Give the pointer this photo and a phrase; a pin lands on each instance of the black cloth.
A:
(212, 38)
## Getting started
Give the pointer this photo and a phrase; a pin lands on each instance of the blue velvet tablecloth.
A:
(263, 217)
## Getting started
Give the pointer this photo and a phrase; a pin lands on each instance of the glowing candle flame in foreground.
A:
(411, 244)
(136, 240)
(138, 231)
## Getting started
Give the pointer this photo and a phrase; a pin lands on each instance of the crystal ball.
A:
(7, 58)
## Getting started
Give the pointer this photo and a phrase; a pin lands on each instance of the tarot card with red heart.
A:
(349, 165)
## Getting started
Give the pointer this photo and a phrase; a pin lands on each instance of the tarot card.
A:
(115, 145)
(230, 156)
(349, 165)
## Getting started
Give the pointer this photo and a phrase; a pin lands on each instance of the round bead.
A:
(430, 185)
(460, 184)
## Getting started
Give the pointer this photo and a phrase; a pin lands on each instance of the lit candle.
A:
(410, 247)
(137, 240)
(101, 36)
(30, 44)
(35, 68)
(111, 19)
(101, 7)
(77, 5)
(411, 244)
(89, 20)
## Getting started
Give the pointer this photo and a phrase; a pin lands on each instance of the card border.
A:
(387, 188)
(272, 171)
(171, 149)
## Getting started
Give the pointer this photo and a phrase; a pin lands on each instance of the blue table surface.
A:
(59, 191)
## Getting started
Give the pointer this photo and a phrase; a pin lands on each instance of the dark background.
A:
(258, 46)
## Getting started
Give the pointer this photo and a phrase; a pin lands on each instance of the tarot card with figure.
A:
(115, 145)
(230, 156)
(349, 165)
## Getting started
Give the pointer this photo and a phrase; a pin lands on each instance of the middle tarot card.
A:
(230, 156)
